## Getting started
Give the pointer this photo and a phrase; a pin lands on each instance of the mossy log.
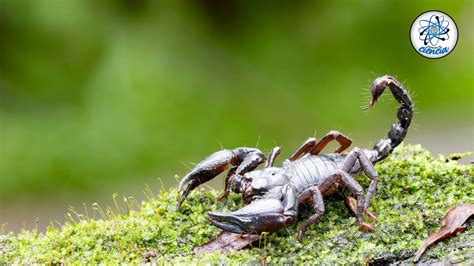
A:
(414, 193)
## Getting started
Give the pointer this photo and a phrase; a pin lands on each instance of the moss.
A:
(415, 191)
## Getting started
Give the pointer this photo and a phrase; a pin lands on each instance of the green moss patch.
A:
(414, 192)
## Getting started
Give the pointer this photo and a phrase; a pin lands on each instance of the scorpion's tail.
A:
(397, 132)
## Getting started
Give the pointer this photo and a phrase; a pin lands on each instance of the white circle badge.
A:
(434, 34)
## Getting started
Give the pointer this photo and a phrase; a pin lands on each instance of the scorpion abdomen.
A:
(312, 170)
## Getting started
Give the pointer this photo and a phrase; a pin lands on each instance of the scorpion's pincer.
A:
(263, 215)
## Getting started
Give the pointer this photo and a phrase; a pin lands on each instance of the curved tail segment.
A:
(397, 132)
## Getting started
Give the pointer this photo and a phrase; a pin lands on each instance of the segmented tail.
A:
(398, 131)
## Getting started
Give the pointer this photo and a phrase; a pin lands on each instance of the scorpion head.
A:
(255, 184)
(262, 192)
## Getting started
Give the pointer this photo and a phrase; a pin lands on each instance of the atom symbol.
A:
(433, 30)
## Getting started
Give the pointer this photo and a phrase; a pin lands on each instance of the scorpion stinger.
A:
(272, 194)
(398, 131)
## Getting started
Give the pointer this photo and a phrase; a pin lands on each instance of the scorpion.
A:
(271, 195)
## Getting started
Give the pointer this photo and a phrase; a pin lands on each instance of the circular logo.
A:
(434, 34)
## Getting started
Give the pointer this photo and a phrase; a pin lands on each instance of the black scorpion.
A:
(272, 194)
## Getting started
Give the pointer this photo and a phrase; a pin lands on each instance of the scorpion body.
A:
(272, 194)
(313, 170)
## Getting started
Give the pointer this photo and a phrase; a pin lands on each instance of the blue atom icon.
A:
(433, 30)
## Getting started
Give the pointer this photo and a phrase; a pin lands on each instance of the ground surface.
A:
(414, 192)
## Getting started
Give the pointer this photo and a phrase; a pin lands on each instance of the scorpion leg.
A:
(305, 148)
(368, 168)
(263, 215)
(343, 141)
(317, 199)
(351, 204)
(226, 191)
(272, 157)
(314, 148)
(318, 204)
(353, 186)
(246, 159)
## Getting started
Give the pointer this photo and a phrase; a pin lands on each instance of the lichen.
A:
(414, 192)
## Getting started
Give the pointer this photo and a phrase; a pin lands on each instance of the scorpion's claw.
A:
(264, 215)
(210, 167)
(242, 159)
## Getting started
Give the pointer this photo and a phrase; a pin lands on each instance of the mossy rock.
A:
(414, 192)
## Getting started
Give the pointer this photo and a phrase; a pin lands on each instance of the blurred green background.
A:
(98, 97)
